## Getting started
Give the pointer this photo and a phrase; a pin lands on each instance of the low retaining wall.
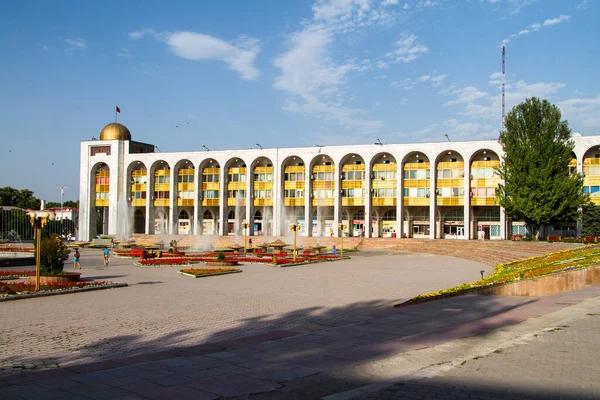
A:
(546, 285)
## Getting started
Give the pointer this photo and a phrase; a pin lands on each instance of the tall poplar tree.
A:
(538, 187)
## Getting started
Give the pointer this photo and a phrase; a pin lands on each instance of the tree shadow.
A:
(309, 353)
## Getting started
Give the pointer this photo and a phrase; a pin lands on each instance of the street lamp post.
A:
(245, 226)
(341, 227)
(38, 220)
(295, 228)
(62, 212)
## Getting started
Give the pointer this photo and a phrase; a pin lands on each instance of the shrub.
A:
(221, 256)
(53, 254)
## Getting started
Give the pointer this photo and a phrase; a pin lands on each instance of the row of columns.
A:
(278, 201)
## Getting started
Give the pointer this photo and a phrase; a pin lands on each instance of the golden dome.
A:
(115, 131)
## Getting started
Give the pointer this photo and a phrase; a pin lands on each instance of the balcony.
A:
(210, 186)
(263, 202)
(390, 184)
(323, 185)
(234, 202)
(352, 184)
(353, 201)
(293, 201)
(138, 203)
(483, 201)
(102, 203)
(258, 185)
(450, 182)
(591, 181)
(236, 186)
(102, 188)
(210, 202)
(185, 187)
(185, 202)
(161, 203)
(287, 185)
(415, 183)
(416, 201)
(140, 187)
(323, 202)
(383, 201)
(162, 187)
(450, 201)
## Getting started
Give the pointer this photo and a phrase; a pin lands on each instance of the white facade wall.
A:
(120, 162)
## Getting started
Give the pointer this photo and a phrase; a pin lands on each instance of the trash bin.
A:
(393, 234)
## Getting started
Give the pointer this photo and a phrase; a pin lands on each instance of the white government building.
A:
(421, 190)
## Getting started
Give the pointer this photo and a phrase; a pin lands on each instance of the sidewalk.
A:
(357, 360)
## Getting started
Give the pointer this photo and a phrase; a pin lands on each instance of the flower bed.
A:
(203, 272)
(267, 259)
(14, 274)
(565, 260)
(19, 289)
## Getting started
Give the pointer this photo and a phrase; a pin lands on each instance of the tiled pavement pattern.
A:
(163, 310)
(326, 362)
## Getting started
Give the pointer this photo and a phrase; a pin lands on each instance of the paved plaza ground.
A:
(316, 331)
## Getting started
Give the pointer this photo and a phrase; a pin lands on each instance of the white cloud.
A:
(537, 26)
(239, 56)
(437, 81)
(426, 3)
(562, 18)
(467, 95)
(581, 112)
(583, 5)
(382, 65)
(496, 78)
(75, 44)
(309, 72)
(409, 83)
(408, 49)
(406, 6)
(389, 3)
(123, 52)
(343, 16)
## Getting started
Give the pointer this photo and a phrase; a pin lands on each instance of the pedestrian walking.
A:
(106, 256)
(76, 258)
(333, 250)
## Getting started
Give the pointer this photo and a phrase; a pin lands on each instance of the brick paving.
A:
(163, 310)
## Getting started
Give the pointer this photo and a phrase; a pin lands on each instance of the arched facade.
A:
(383, 190)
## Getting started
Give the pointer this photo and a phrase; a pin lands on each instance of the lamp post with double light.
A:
(295, 228)
(245, 226)
(341, 227)
(38, 220)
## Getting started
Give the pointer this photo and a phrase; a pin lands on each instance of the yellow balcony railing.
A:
(185, 202)
(485, 182)
(383, 201)
(323, 184)
(138, 202)
(591, 161)
(138, 187)
(591, 181)
(237, 170)
(352, 184)
(294, 168)
(483, 201)
(263, 170)
(324, 168)
(353, 201)
(235, 202)
(353, 167)
(451, 165)
(263, 185)
(161, 203)
(391, 184)
(263, 202)
(416, 183)
(138, 172)
(423, 165)
(102, 203)
(162, 172)
(162, 187)
(210, 186)
(450, 182)
(236, 186)
(450, 201)
(385, 167)
(102, 188)
(485, 164)
(322, 202)
(210, 202)
(293, 201)
(186, 171)
(185, 187)
(595, 200)
(416, 201)
(287, 185)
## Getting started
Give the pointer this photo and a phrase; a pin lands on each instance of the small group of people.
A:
(173, 246)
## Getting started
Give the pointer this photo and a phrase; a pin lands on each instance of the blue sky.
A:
(229, 74)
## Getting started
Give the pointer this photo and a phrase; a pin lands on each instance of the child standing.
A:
(76, 257)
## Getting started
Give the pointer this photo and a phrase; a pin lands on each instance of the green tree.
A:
(591, 220)
(538, 187)
(18, 198)
(53, 255)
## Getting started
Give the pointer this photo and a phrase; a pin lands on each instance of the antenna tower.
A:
(503, 78)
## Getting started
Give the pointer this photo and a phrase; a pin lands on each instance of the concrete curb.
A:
(59, 292)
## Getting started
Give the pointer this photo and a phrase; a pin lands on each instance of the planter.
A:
(221, 263)
(233, 271)
(69, 277)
